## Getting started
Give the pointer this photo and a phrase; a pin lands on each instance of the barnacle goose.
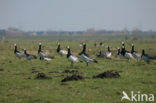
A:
(119, 55)
(17, 53)
(147, 57)
(100, 55)
(101, 44)
(61, 52)
(71, 58)
(42, 55)
(29, 56)
(135, 54)
(85, 56)
(126, 54)
(108, 53)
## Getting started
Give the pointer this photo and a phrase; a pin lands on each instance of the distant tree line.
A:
(11, 31)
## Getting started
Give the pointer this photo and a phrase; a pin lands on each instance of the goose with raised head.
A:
(73, 59)
(135, 54)
(17, 53)
(126, 54)
(147, 57)
(29, 56)
(85, 57)
(42, 55)
(108, 53)
(119, 55)
(60, 51)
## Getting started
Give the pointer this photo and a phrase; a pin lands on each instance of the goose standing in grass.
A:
(126, 54)
(101, 44)
(147, 57)
(100, 55)
(119, 55)
(61, 52)
(42, 55)
(85, 56)
(71, 58)
(108, 53)
(29, 56)
(17, 53)
(135, 54)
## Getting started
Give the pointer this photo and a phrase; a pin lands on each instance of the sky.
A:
(75, 15)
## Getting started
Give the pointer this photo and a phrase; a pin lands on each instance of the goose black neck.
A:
(100, 52)
(118, 51)
(39, 50)
(68, 54)
(58, 48)
(84, 48)
(15, 49)
(143, 52)
(25, 51)
(108, 49)
(132, 49)
(123, 51)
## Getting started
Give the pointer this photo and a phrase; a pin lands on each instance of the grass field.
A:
(18, 83)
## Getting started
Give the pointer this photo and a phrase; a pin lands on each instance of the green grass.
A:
(18, 83)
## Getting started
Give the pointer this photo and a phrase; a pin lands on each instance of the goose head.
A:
(15, 48)
(123, 44)
(25, 51)
(132, 48)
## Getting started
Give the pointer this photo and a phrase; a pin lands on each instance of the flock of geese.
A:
(121, 54)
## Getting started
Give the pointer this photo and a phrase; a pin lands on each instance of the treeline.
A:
(12, 31)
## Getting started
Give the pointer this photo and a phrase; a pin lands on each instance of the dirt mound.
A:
(73, 77)
(1, 69)
(71, 71)
(108, 74)
(42, 76)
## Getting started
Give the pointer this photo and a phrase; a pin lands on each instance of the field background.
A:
(18, 83)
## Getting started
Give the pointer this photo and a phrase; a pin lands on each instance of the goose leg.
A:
(87, 63)
(71, 64)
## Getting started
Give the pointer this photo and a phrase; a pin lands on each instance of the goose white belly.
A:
(47, 59)
(129, 56)
(41, 54)
(63, 52)
(73, 59)
(108, 54)
(18, 54)
(136, 55)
